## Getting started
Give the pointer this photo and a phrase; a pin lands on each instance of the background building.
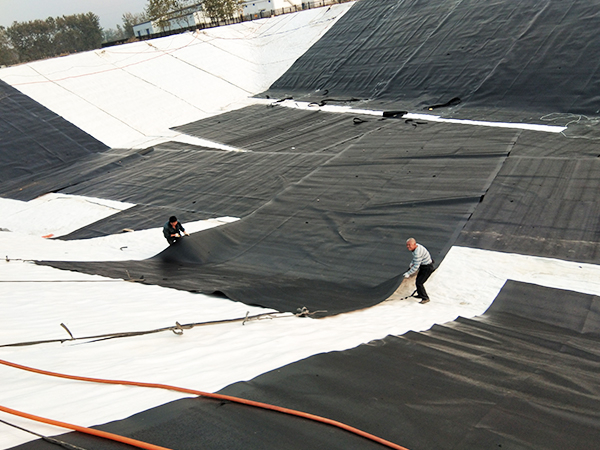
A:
(194, 16)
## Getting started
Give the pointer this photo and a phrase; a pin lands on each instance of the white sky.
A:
(109, 11)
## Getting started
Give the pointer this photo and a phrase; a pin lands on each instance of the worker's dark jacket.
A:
(168, 230)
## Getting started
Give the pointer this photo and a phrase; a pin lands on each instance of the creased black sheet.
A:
(518, 377)
(521, 60)
(333, 239)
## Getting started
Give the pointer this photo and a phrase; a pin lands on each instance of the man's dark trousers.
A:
(425, 272)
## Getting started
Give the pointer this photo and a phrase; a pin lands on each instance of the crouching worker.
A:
(422, 263)
(173, 230)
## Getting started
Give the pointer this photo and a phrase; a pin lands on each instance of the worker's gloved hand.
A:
(406, 275)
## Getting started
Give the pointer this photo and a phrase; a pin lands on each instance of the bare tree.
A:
(162, 11)
(130, 19)
(222, 9)
(112, 34)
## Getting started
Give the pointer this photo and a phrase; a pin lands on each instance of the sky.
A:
(109, 11)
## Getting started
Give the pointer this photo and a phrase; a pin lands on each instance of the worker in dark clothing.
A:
(173, 230)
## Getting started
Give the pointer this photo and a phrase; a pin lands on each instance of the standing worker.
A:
(421, 262)
(173, 230)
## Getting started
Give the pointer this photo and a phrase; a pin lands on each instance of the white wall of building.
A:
(258, 6)
(250, 7)
(143, 29)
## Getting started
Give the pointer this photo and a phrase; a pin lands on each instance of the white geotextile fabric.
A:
(429, 117)
(128, 96)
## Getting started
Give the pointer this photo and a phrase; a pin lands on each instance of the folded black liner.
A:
(322, 227)
(524, 375)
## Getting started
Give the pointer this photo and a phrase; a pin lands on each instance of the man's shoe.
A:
(425, 300)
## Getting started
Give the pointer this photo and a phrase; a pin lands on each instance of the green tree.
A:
(222, 9)
(40, 39)
(32, 40)
(8, 55)
(77, 33)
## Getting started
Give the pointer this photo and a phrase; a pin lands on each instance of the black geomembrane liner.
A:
(281, 130)
(544, 206)
(192, 184)
(522, 59)
(518, 377)
(331, 240)
(33, 138)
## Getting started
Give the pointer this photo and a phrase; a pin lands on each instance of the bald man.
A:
(422, 263)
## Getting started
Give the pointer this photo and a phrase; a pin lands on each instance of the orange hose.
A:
(218, 397)
(103, 434)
